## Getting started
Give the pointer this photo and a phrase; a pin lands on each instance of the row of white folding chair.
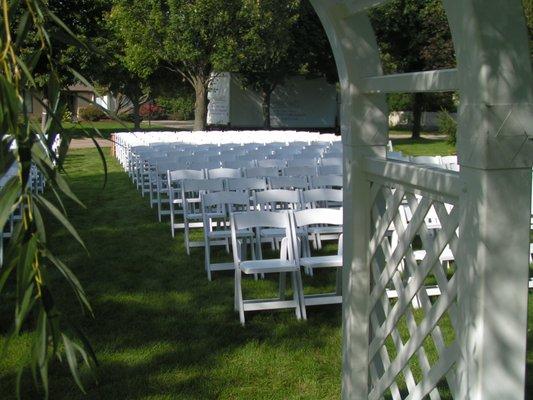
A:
(266, 200)
(292, 257)
(233, 182)
(447, 162)
(297, 177)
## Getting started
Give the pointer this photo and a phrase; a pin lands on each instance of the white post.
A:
(364, 128)
(495, 152)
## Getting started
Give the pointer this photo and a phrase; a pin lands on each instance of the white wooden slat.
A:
(384, 222)
(431, 379)
(357, 6)
(416, 340)
(412, 288)
(414, 82)
(443, 182)
(403, 245)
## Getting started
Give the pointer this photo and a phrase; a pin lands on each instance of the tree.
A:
(129, 52)
(264, 52)
(280, 40)
(29, 33)
(192, 39)
(413, 35)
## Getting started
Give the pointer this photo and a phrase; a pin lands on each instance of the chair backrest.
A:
(224, 173)
(331, 161)
(397, 155)
(288, 182)
(261, 172)
(257, 220)
(426, 160)
(277, 163)
(246, 184)
(242, 164)
(330, 170)
(181, 174)
(326, 181)
(197, 185)
(314, 196)
(271, 200)
(318, 216)
(225, 199)
(302, 162)
(299, 171)
(204, 165)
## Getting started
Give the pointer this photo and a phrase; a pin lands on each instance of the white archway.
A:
(484, 210)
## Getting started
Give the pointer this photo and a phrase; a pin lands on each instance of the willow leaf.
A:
(72, 360)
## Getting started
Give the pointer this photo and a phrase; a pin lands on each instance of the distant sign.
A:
(219, 100)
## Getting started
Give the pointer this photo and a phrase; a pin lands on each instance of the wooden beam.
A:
(427, 81)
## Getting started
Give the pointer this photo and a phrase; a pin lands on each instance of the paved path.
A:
(87, 143)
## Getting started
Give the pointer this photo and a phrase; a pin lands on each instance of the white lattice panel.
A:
(413, 316)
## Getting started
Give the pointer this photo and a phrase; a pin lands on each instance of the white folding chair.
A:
(299, 171)
(284, 264)
(327, 181)
(261, 172)
(274, 200)
(279, 164)
(175, 201)
(329, 161)
(322, 198)
(216, 208)
(330, 170)
(223, 173)
(240, 164)
(302, 162)
(304, 220)
(288, 182)
(191, 191)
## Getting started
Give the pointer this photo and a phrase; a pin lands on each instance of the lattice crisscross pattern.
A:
(413, 310)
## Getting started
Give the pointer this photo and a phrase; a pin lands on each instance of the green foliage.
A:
(67, 116)
(178, 108)
(29, 31)
(413, 35)
(448, 127)
(91, 113)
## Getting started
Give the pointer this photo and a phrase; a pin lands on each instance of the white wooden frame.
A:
(493, 187)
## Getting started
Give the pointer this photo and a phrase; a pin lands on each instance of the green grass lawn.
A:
(162, 331)
(108, 127)
(424, 147)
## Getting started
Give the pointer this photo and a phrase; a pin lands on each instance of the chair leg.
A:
(238, 283)
(207, 249)
(296, 296)
(186, 236)
(172, 217)
(300, 290)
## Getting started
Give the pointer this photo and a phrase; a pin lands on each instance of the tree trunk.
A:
(265, 98)
(200, 105)
(418, 103)
(136, 112)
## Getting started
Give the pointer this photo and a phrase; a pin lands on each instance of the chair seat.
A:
(325, 229)
(226, 233)
(322, 262)
(200, 216)
(277, 232)
(267, 266)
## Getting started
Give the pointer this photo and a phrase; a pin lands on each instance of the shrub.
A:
(91, 113)
(448, 126)
(179, 108)
(152, 111)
